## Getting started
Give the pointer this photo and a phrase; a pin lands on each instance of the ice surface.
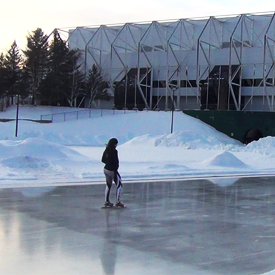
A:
(192, 227)
(69, 153)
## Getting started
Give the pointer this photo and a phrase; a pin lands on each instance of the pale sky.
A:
(19, 17)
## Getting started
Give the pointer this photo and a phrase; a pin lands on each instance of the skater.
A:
(110, 158)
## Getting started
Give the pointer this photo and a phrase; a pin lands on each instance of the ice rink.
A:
(209, 226)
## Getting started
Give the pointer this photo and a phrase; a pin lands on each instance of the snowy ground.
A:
(69, 152)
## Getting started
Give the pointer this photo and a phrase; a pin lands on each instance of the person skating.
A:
(111, 161)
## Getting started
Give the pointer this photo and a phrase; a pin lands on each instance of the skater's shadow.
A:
(111, 239)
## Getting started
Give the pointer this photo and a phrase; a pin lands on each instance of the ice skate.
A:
(119, 204)
(108, 204)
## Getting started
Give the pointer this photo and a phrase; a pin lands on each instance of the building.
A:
(216, 63)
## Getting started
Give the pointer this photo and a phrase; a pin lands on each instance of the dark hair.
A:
(112, 142)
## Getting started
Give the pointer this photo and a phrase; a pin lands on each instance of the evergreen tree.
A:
(64, 79)
(24, 84)
(58, 51)
(95, 86)
(3, 76)
(50, 90)
(36, 55)
(3, 82)
(13, 63)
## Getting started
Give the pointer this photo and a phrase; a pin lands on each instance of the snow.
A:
(69, 152)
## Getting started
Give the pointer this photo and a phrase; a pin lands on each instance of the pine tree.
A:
(50, 90)
(58, 52)
(3, 83)
(50, 87)
(13, 63)
(36, 55)
(3, 76)
(24, 84)
(64, 80)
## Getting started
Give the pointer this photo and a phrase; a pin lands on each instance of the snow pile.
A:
(196, 140)
(225, 159)
(71, 150)
(169, 167)
(34, 154)
(189, 132)
(37, 148)
(14, 175)
(264, 146)
(26, 162)
(186, 139)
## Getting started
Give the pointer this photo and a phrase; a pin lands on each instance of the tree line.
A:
(49, 72)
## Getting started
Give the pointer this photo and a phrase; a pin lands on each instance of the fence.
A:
(75, 115)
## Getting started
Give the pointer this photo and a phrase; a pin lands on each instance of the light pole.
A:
(17, 115)
(173, 88)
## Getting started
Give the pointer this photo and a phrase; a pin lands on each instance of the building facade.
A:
(214, 63)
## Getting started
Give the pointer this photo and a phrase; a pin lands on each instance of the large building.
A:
(215, 63)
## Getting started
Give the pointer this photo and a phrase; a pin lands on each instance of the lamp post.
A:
(17, 115)
(173, 88)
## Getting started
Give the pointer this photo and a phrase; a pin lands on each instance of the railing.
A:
(75, 115)
(26, 119)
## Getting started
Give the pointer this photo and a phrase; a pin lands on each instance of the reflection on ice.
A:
(184, 227)
(109, 249)
(35, 192)
(223, 181)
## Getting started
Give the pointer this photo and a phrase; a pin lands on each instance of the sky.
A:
(18, 18)
(69, 152)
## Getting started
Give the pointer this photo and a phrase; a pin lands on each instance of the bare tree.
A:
(95, 86)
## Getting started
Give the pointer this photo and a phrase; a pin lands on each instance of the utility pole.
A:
(17, 115)
(173, 88)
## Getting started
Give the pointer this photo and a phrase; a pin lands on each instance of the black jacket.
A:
(110, 158)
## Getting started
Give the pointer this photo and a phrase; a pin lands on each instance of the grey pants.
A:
(112, 176)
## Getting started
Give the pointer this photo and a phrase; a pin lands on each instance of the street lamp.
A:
(17, 114)
(173, 88)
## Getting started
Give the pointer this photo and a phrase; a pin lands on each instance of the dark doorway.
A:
(252, 134)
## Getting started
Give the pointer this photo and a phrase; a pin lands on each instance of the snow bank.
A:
(146, 148)
(264, 146)
(97, 130)
(225, 159)
(32, 149)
